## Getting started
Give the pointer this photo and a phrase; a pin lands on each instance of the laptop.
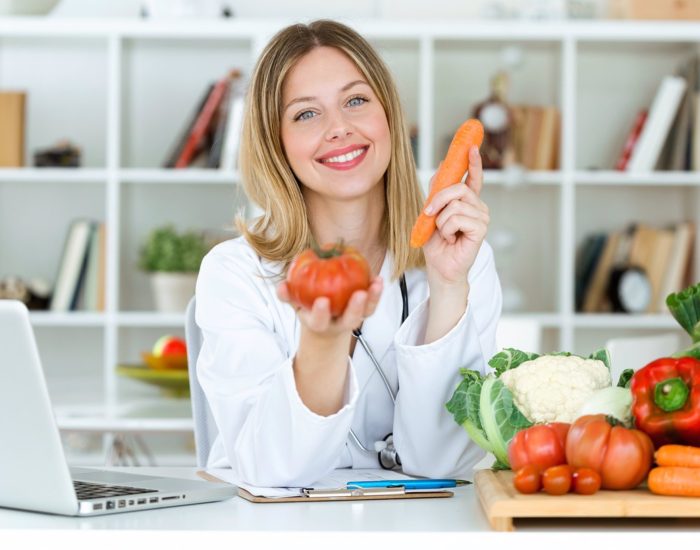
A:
(34, 474)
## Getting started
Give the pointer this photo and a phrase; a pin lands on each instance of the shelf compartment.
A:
(53, 175)
(157, 101)
(66, 84)
(631, 73)
(620, 178)
(175, 176)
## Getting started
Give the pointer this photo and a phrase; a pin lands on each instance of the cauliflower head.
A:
(552, 388)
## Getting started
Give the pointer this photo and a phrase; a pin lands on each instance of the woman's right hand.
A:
(318, 319)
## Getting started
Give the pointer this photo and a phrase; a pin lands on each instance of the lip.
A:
(344, 165)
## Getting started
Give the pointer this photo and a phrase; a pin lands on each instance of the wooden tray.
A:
(502, 503)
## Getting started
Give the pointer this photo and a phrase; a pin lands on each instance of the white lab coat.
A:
(266, 433)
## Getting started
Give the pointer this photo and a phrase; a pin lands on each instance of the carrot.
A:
(675, 481)
(678, 455)
(454, 166)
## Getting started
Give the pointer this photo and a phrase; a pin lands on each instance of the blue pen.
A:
(408, 484)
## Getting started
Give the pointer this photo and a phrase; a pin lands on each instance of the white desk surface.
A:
(461, 513)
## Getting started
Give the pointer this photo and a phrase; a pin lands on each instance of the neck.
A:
(357, 222)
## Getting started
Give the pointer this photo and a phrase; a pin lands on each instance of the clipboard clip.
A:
(354, 492)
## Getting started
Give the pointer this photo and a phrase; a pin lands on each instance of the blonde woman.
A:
(326, 155)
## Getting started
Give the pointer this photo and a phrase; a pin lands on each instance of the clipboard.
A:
(337, 495)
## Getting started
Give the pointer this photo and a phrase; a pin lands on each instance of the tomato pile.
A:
(592, 453)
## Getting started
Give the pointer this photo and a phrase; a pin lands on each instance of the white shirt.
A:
(266, 433)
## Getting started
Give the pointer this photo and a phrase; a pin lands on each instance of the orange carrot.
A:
(454, 166)
(678, 455)
(675, 481)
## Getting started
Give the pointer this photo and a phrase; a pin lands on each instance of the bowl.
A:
(165, 362)
(172, 382)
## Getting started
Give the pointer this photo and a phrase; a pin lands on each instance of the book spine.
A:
(202, 123)
(632, 140)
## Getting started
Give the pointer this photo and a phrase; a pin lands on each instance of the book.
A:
(589, 254)
(632, 139)
(234, 125)
(223, 118)
(93, 288)
(12, 106)
(680, 134)
(650, 250)
(595, 298)
(195, 138)
(678, 263)
(662, 112)
(179, 144)
(72, 266)
(547, 144)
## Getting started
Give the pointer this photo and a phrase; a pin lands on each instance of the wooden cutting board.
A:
(502, 503)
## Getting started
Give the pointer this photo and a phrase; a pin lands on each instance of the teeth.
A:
(346, 157)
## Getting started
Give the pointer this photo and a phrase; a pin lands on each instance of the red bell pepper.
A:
(666, 400)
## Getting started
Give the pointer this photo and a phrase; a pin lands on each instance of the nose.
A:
(338, 127)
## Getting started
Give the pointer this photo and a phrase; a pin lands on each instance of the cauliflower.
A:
(552, 388)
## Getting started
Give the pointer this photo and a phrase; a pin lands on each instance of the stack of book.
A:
(663, 253)
(211, 135)
(80, 279)
(666, 134)
(536, 134)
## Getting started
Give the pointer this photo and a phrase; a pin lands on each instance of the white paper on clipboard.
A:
(336, 479)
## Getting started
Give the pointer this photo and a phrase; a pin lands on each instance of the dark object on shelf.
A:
(629, 287)
(34, 294)
(61, 155)
(497, 119)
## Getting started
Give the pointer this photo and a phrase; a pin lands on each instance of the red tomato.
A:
(621, 456)
(528, 480)
(542, 445)
(585, 481)
(557, 479)
(335, 271)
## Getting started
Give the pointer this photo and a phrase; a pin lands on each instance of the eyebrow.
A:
(311, 98)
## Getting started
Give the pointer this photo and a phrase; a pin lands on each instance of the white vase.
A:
(172, 291)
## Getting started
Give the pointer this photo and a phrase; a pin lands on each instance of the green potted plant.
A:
(172, 258)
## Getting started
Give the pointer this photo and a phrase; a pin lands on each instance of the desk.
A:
(462, 513)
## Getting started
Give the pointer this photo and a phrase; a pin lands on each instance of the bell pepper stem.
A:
(671, 395)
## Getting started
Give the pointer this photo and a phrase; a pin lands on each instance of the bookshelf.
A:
(122, 89)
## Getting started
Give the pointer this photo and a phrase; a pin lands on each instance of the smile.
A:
(346, 160)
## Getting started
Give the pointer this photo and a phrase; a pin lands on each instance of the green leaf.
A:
(625, 378)
(500, 418)
(464, 406)
(510, 358)
(601, 355)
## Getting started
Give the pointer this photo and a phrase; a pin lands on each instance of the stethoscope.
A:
(386, 452)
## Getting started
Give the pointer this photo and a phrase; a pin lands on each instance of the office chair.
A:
(205, 430)
(635, 352)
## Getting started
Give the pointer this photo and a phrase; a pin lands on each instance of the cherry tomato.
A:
(334, 271)
(528, 480)
(556, 480)
(542, 445)
(586, 481)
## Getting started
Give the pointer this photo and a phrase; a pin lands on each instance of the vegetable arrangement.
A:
(525, 388)
(451, 170)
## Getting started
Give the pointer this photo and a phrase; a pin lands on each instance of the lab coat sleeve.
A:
(270, 437)
(428, 440)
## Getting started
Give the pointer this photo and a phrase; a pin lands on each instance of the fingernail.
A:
(428, 210)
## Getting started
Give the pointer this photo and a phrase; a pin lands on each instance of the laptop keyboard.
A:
(85, 490)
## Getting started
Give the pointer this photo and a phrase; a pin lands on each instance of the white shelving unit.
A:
(123, 89)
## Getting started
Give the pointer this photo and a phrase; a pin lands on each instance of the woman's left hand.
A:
(462, 221)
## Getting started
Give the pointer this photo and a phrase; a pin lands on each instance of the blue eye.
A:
(356, 101)
(303, 115)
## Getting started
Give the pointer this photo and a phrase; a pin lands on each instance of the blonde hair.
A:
(283, 230)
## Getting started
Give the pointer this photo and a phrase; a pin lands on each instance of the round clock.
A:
(629, 290)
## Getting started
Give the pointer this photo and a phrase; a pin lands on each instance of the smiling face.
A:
(334, 130)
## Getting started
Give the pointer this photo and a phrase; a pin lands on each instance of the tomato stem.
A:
(327, 252)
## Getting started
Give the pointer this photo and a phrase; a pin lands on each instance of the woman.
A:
(326, 154)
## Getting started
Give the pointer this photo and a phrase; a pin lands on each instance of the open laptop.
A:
(34, 474)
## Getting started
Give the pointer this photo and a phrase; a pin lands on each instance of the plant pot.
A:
(172, 291)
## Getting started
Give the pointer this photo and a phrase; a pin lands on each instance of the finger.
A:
(283, 292)
(459, 208)
(354, 312)
(475, 178)
(374, 293)
(471, 228)
(456, 191)
(319, 317)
